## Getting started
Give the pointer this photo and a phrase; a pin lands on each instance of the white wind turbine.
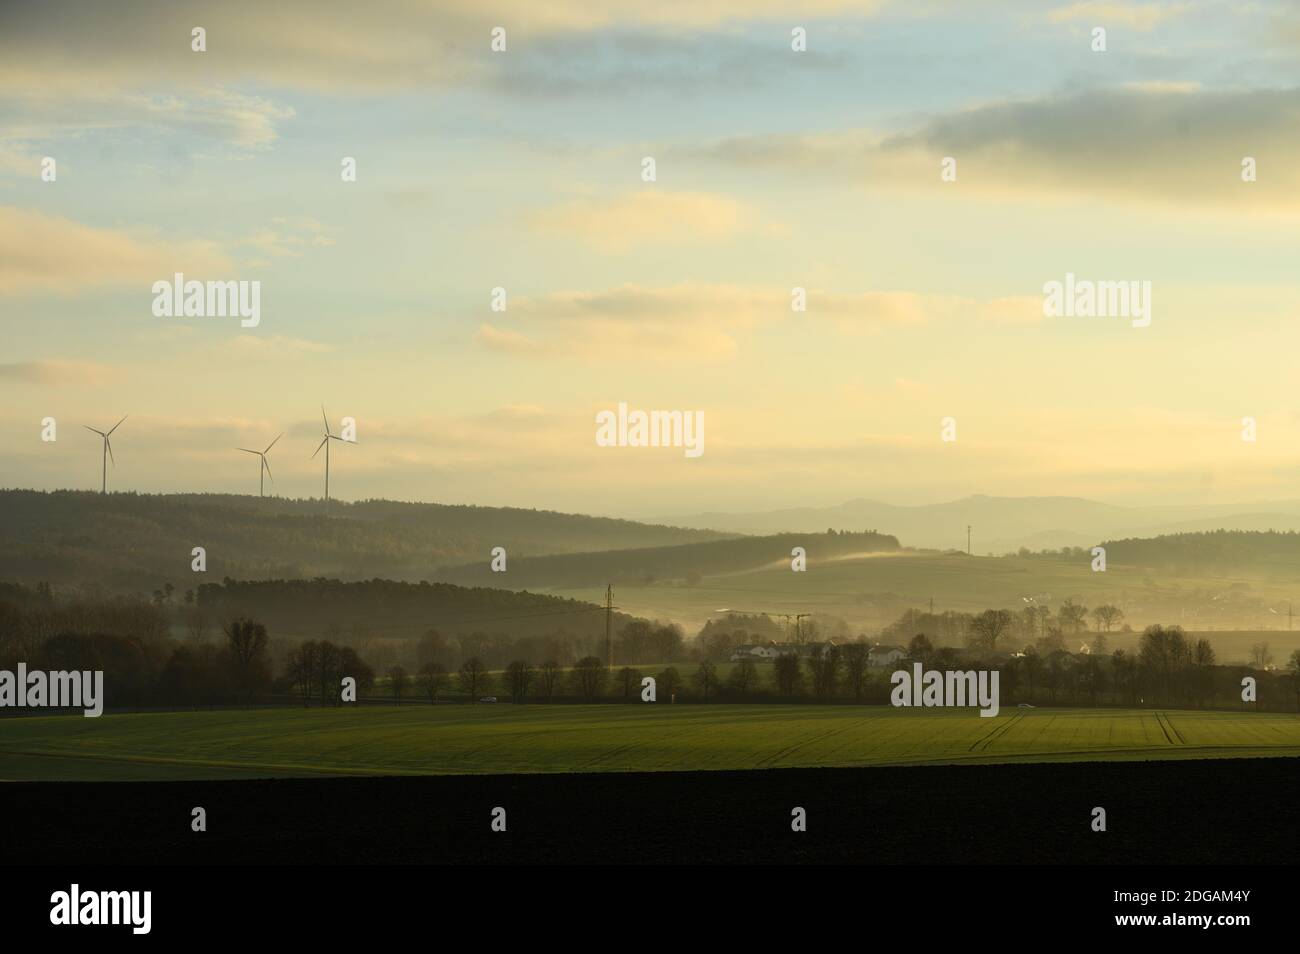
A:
(264, 470)
(108, 451)
(325, 443)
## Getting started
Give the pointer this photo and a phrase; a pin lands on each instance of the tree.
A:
(1033, 665)
(706, 677)
(519, 674)
(668, 681)
(474, 677)
(1072, 616)
(667, 643)
(397, 680)
(302, 669)
(744, 676)
(327, 670)
(787, 674)
(856, 658)
(351, 664)
(589, 677)
(1203, 661)
(1293, 664)
(824, 665)
(433, 680)
(550, 678)
(630, 680)
(246, 640)
(920, 648)
(1260, 657)
(987, 628)
(1106, 617)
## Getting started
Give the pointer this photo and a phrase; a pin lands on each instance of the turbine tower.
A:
(108, 452)
(325, 443)
(264, 470)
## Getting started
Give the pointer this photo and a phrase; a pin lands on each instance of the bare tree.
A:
(1107, 617)
(397, 680)
(630, 680)
(589, 677)
(987, 628)
(550, 678)
(706, 677)
(668, 681)
(787, 674)
(474, 677)
(744, 677)
(519, 674)
(246, 640)
(433, 680)
(856, 659)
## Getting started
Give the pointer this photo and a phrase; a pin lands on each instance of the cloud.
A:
(327, 44)
(649, 217)
(704, 322)
(1165, 144)
(58, 372)
(259, 346)
(41, 252)
(1138, 16)
(40, 114)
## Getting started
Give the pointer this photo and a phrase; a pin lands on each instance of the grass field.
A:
(455, 739)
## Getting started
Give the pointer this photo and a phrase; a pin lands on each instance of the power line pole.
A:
(968, 539)
(609, 619)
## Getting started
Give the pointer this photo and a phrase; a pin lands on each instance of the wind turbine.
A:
(325, 443)
(108, 451)
(264, 470)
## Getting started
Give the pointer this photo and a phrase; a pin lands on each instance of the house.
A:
(769, 651)
(886, 655)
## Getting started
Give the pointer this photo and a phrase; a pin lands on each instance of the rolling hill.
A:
(134, 542)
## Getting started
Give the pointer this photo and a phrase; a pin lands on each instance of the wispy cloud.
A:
(40, 252)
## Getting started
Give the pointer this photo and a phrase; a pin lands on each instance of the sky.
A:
(522, 169)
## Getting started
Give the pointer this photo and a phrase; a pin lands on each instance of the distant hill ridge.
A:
(135, 542)
(1003, 524)
(682, 562)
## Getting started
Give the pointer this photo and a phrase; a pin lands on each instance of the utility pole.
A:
(609, 619)
(968, 539)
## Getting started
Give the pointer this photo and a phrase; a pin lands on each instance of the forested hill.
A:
(684, 562)
(390, 609)
(136, 542)
(1216, 552)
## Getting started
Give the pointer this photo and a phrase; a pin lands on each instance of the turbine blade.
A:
(267, 464)
(319, 446)
(247, 451)
(272, 444)
(119, 423)
(89, 428)
(325, 418)
(109, 444)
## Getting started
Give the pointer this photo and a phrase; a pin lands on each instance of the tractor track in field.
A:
(1167, 727)
(761, 763)
(983, 742)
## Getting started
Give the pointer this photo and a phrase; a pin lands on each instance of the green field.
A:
(455, 739)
